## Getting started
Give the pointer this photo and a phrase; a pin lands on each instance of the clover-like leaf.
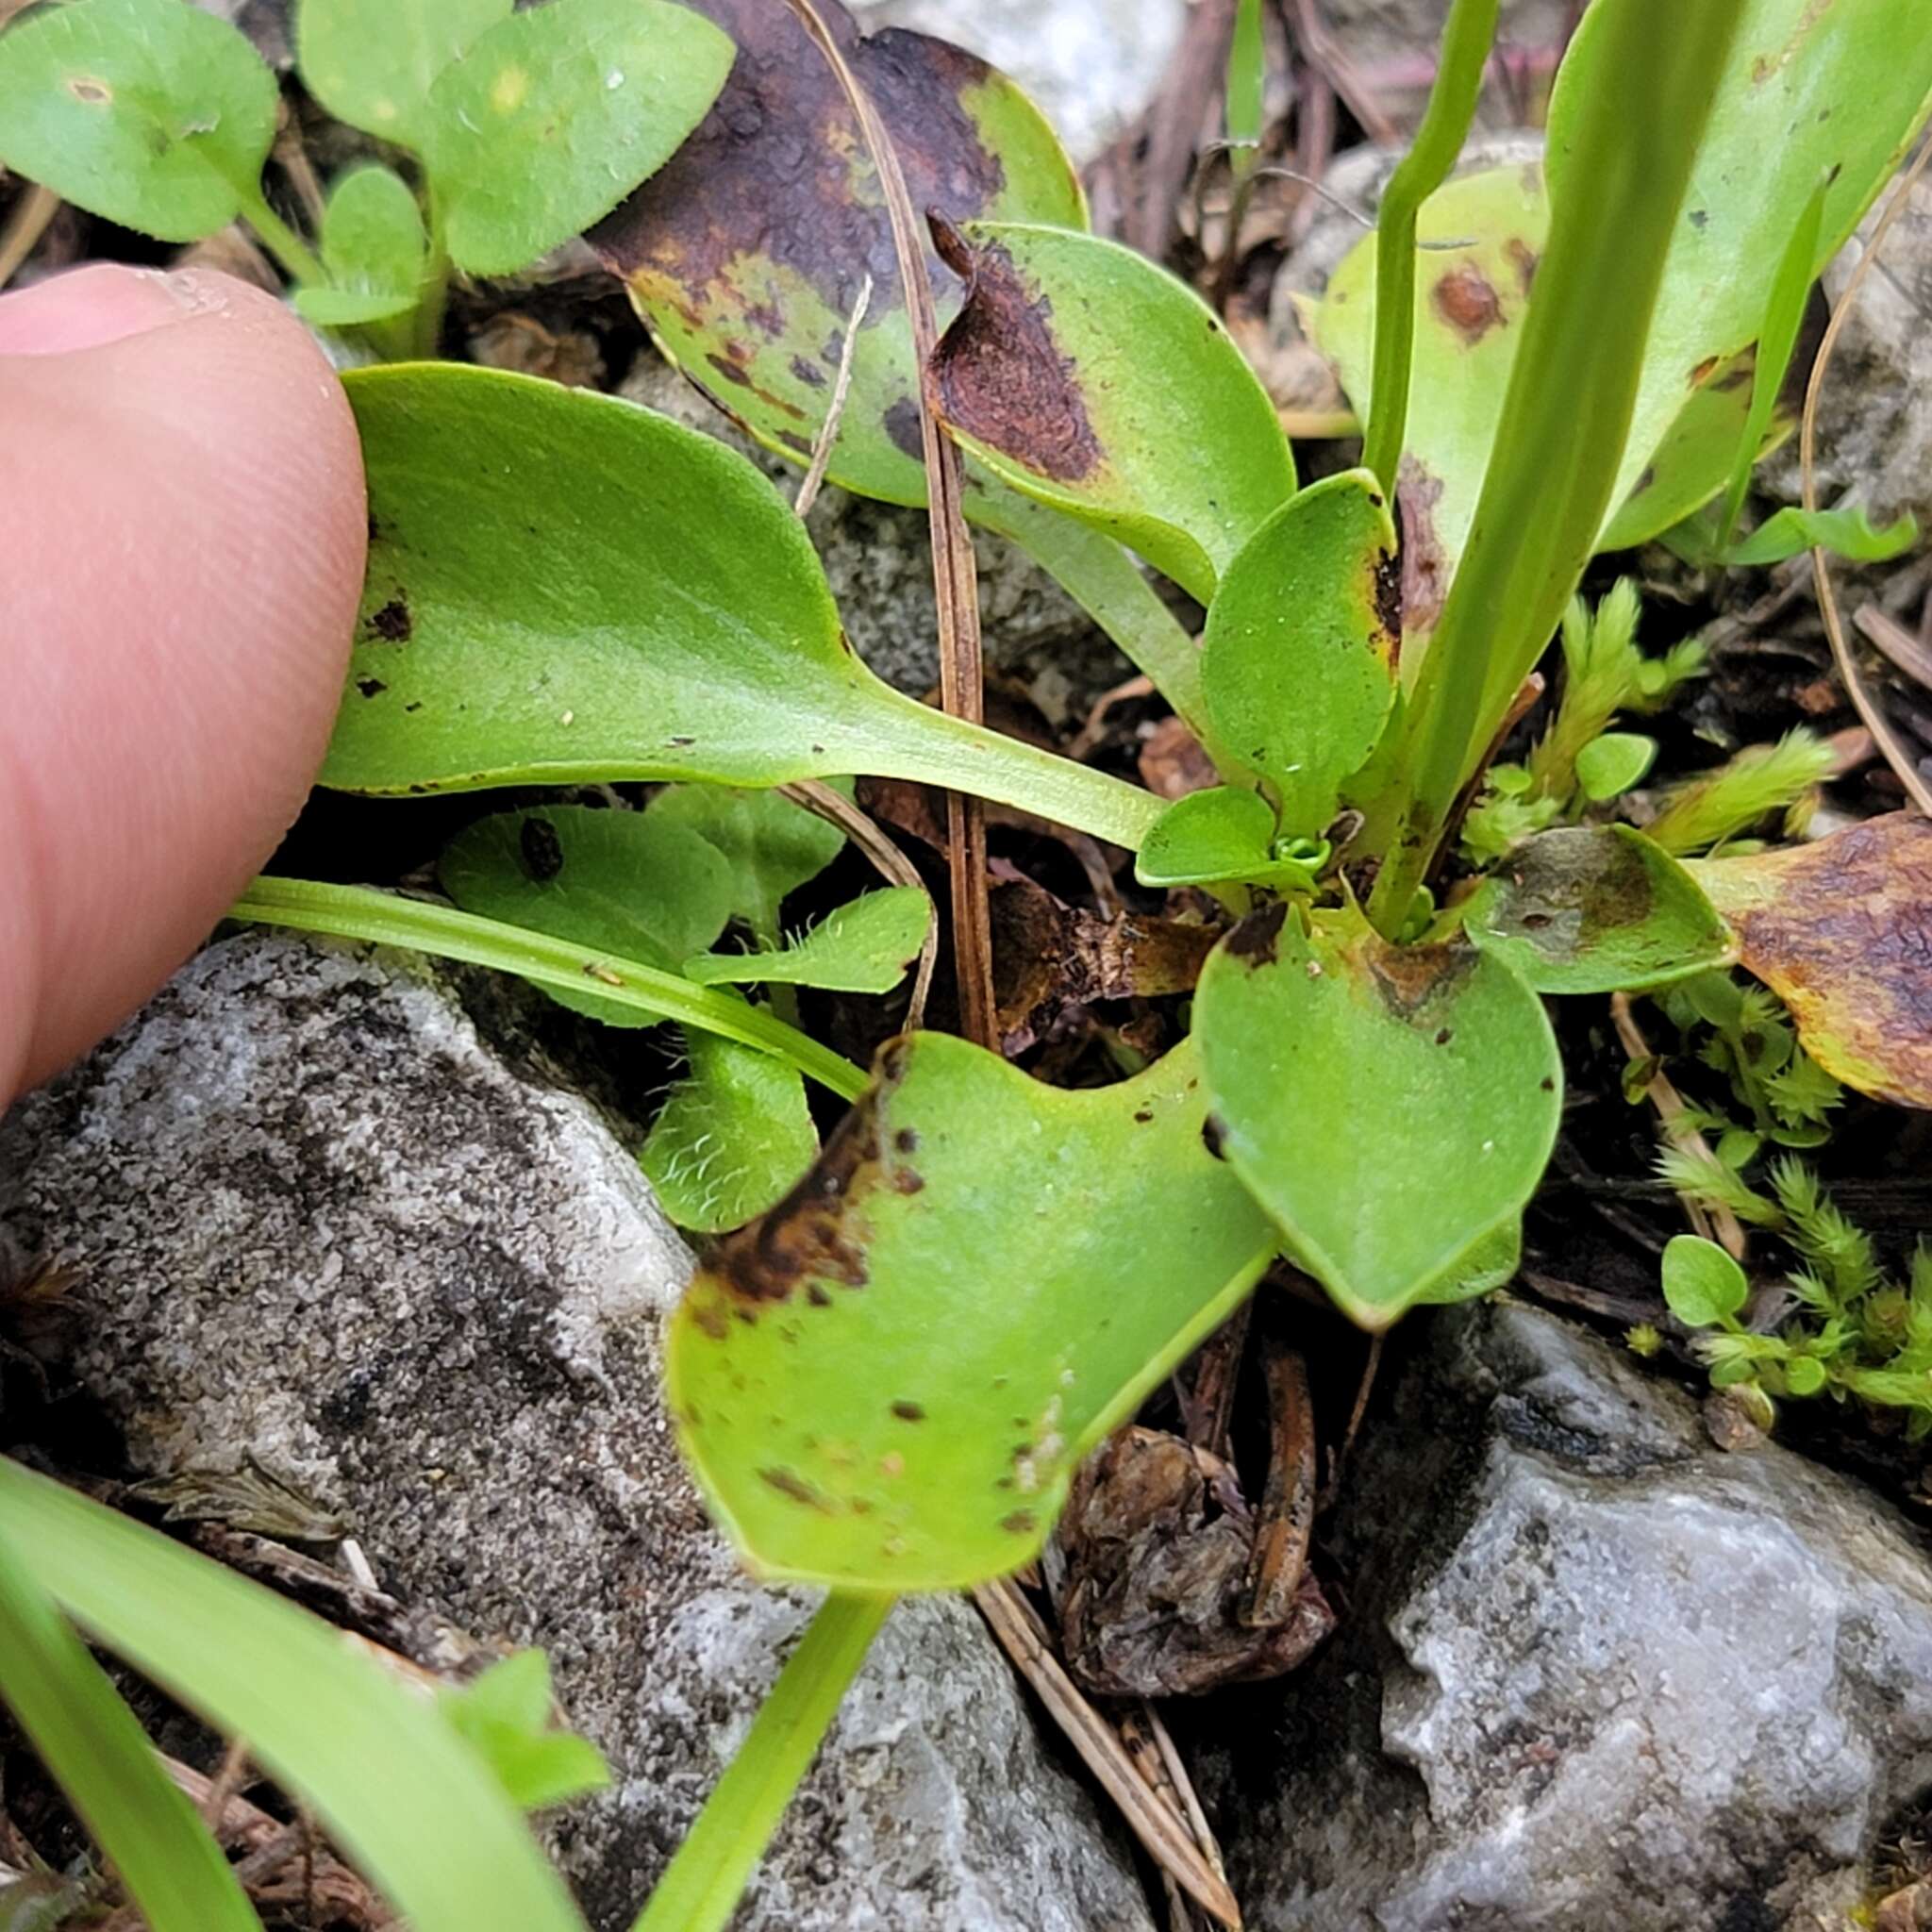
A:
(1597, 908)
(374, 248)
(1704, 1287)
(746, 254)
(731, 1139)
(506, 1714)
(1612, 762)
(888, 1381)
(771, 846)
(370, 62)
(1848, 533)
(653, 610)
(863, 946)
(640, 886)
(1391, 1107)
(148, 112)
(1841, 931)
(1298, 660)
(550, 117)
(1084, 375)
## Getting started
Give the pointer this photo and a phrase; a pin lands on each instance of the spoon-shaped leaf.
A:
(1597, 908)
(549, 118)
(864, 947)
(1298, 661)
(731, 1139)
(374, 248)
(1082, 374)
(1391, 1107)
(890, 1380)
(154, 114)
(566, 588)
(370, 62)
(1841, 931)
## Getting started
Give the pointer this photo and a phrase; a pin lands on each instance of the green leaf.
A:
(1704, 1287)
(550, 118)
(770, 847)
(374, 248)
(746, 254)
(890, 1380)
(1298, 660)
(564, 588)
(1391, 1106)
(731, 1141)
(1847, 533)
(634, 884)
(100, 1757)
(370, 62)
(1610, 764)
(406, 1798)
(148, 112)
(1087, 377)
(1224, 833)
(1247, 75)
(506, 1714)
(1597, 908)
(863, 946)
(1804, 1374)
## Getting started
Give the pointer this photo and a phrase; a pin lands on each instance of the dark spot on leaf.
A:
(1547, 1084)
(902, 426)
(539, 848)
(392, 623)
(905, 1181)
(1213, 1136)
(796, 1488)
(816, 1295)
(676, 739)
(1142, 1115)
(1535, 922)
(1387, 591)
(797, 444)
(1522, 259)
(1443, 1036)
(371, 686)
(414, 705)
(906, 1139)
(1001, 378)
(1255, 940)
(808, 372)
(908, 1411)
(1701, 216)
(1021, 1522)
(1465, 299)
(94, 94)
(730, 371)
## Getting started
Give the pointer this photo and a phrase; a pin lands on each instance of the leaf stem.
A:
(1470, 28)
(433, 296)
(299, 262)
(1566, 414)
(361, 912)
(701, 1887)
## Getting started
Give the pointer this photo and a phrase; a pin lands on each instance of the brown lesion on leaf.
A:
(1426, 566)
(794, 1489)
(1467, 300)
(1256, 940)
(392, 622)
(999, 373)
(1412, 981)
(1524, 259)
(538, 849)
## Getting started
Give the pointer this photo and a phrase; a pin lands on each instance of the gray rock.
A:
(1094, 66)
(878, 562)
(1595, 1675)
(320, 1224)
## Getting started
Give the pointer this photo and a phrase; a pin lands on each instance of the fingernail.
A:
(90, 306)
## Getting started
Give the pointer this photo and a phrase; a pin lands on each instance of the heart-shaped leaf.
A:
(634, 884)
(1085, 376)
(1391, 1107)
(771, 846)
(1610, 764)
(506, 1714)
(747, 254)
(864, 947)
(1222, 833)
(374, 248)
(550, 117)
(1597, 908)
(564, 588)
(1841, 931)
(370, 62)
(888, 1381)
(731, 1139)
(1298, 661)
(148, 112)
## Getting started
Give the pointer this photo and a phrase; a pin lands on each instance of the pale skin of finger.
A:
(184, 528)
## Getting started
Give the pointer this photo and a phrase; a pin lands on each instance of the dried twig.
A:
(1287, 1516)
(1159, 1829)
(1716, 1223)
(1322, 52)
(1897, 643)
(829, 429)
(24, 227)
(1901, 760)
(892, 864)
(954, 579)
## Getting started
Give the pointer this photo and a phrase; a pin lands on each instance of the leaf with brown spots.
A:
(747, 254)
(1841, 931)
(888, 1381)
(1391, 1107)
(1090, 379)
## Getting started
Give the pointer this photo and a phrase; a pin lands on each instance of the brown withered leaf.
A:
(1172, 762)
(1051, 960)
(1841, 931)
(746, 253)
(1149, 1570)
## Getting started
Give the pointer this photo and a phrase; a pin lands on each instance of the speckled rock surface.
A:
(1596, 1675)
(319, 1223)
